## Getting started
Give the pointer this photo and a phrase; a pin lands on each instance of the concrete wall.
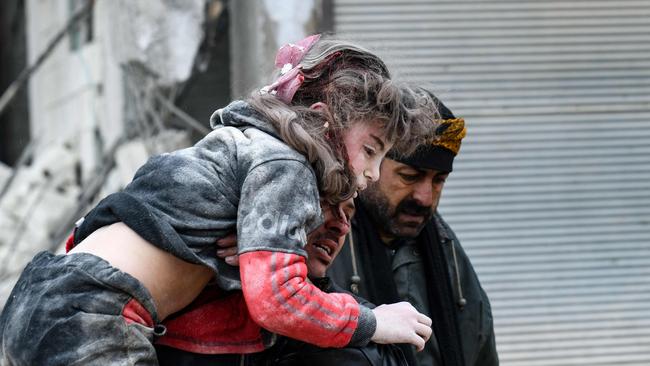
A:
(66, 94)
(258, 29)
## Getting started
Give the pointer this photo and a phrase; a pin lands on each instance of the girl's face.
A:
(366, 147)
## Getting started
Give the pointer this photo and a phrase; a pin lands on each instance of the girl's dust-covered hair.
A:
(355, 85)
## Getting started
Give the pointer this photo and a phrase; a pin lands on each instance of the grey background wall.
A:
(551, 193)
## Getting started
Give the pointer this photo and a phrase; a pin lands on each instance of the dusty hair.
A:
(356, 87)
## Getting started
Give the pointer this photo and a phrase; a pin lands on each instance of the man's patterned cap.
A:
(438, 153)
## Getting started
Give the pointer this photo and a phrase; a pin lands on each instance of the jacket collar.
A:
(443, 229)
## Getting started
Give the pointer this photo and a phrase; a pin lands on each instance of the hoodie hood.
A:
(240, 114)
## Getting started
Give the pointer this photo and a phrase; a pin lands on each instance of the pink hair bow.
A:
(291, 77)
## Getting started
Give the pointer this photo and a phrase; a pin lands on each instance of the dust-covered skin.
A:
(366, 147)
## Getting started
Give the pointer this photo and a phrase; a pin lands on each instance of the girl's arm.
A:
(278, 207)
(280, 299)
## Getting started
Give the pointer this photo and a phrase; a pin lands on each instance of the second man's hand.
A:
(228, 249)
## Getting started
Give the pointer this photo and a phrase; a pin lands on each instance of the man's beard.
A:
(378, 207)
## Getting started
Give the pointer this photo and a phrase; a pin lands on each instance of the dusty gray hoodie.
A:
(241, 177)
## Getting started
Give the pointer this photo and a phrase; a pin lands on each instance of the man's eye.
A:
(440, 180)
(409, 178)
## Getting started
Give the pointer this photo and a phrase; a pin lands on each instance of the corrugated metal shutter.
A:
(551, 194)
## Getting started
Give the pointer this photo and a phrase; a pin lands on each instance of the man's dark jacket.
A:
(463, 330)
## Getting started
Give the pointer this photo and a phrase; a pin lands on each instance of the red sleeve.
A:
(280, 299)
(69, 244)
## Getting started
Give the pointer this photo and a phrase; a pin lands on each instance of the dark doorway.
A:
(14, 120)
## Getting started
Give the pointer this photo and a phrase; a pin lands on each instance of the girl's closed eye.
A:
(370, 150)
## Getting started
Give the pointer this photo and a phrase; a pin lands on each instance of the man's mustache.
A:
(411, 207)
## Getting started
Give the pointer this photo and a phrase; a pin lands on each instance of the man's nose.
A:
(338, 225)
(423, 193)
